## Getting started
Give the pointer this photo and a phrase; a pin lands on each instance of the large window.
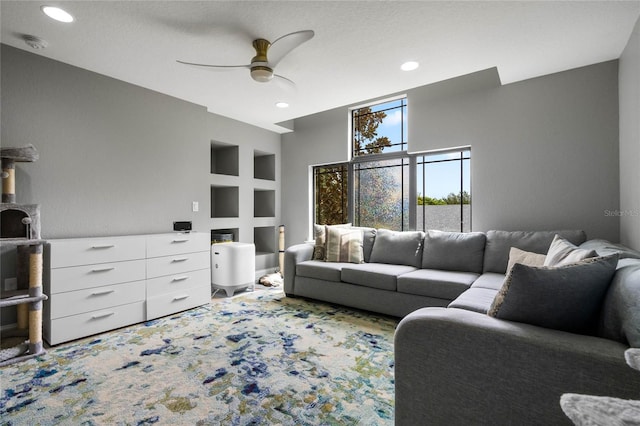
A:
(385, 187)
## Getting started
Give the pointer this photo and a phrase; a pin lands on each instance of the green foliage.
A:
(448, 200)
(331, 195)
(365, 132)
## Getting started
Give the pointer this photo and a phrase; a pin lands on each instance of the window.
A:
(381, 194)
(379, 128)
(444, 191)
(330, 185)
(385, 187)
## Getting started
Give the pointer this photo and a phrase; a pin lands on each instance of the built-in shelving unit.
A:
(244, 197)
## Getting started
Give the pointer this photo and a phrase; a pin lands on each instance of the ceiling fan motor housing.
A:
(260, 72)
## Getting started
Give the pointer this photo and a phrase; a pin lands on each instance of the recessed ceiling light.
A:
(57, 14)
(409, 66)
(282, 105)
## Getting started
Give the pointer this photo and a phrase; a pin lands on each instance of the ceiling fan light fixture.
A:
(261, 74)
(409, 66)
(57, 14)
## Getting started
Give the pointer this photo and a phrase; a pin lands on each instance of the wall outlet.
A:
(195, 206)
(10, 284)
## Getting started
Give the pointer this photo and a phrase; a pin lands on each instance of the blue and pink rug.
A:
(259, 358)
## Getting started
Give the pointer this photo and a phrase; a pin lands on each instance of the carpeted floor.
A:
(259, 358)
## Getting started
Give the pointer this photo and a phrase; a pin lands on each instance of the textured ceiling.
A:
(354, 56)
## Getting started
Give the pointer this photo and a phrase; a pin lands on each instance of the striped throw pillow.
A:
(344, 245)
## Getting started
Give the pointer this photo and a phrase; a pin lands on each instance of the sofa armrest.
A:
(292, 256)
(459, 367)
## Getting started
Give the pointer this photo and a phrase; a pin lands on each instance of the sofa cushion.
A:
(327, 271)
(368, 238)
(343, 245)
(525, 257)
(620, 315)
(490, 280)
(319, 234)
(398, 247)
(604, 247)
(562, 252)
(436, 283)
(496, 251)
(375, 275)
(453, 251)
(563, 298)
(476, 299)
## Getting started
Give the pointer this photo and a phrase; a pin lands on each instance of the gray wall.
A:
(118, 159)
(544, 151)
(630, 141)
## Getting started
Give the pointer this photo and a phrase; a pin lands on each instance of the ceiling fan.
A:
(261, 67)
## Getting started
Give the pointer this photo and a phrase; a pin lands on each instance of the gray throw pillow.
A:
(563, 298)
(562, 252)
(397, 247)
(453, 251)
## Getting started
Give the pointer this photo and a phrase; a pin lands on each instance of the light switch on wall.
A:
(195, 206)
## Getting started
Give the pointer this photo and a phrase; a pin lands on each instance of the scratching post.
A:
(281, 249)
(8, 180)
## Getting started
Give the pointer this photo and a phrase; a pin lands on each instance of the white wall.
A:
(629, 90)
(544, 151)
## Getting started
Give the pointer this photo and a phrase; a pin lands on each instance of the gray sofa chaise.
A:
(457, 365)
(460, 366)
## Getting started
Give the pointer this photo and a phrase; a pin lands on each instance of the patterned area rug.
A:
(259, 358)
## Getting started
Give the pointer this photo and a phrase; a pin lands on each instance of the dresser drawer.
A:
(172, 283)
(76, 326)
(86, 251)
(170, 244)
(88, 276)
(177, 301)
(177, 264)
(77, 302)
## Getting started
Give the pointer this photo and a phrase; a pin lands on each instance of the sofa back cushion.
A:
(620, 314)
(496, 252)
(397, 247)
(453, 251)
(368, 238)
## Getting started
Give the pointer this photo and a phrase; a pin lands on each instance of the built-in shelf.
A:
(264, 165)
(224, 159)
(224, 201)
(264, 238)
(233, 231)
(264, 203)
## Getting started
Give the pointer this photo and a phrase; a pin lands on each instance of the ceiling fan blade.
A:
(285, 44)
(284, 82)
(214, 66)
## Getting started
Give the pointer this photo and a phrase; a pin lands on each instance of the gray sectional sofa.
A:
(456, 365)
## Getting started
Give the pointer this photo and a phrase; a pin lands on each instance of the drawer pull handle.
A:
(102, 293)
(103, 269)
(182, 278)
(181, 297)
(180, 259)
(103, 315)
(180, 241)
(103, 246)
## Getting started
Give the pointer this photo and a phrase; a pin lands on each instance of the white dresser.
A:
(99, 284)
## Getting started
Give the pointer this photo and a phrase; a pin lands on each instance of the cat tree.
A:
(20, 228)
